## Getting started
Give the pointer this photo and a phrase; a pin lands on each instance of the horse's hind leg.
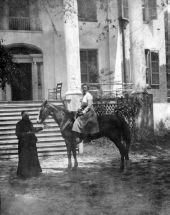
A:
(126, 154)
(122, 151)
(127, 162)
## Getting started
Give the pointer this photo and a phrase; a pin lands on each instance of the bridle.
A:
(46, 112)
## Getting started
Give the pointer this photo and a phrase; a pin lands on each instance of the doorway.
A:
(22, 87)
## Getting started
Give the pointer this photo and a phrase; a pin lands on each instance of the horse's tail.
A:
(126, 133)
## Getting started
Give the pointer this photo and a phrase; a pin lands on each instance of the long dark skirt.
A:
(86, 124)
(28, 164)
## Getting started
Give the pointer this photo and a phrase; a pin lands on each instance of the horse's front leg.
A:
(69, 155)
(73, 149)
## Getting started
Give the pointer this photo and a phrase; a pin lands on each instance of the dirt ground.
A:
(95, 188)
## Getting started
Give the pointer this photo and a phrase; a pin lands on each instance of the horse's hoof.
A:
(121, 169)
(69, 167)
(76, 164)
(127, 164)
(74, 168)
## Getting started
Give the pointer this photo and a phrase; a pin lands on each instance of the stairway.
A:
(50, 141)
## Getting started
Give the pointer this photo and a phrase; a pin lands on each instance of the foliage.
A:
(128, 107)
(161, 128)
(9, 74)
(7, 67)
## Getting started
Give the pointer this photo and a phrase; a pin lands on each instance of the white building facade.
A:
(94, 41)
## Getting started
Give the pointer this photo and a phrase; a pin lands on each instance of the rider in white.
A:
(86, 121)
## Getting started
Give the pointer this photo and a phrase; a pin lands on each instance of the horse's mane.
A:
(69, 114)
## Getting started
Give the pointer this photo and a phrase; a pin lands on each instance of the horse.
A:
(113, 126)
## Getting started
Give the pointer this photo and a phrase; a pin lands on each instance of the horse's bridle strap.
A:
(64, 126)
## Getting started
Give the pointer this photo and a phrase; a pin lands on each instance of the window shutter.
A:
(145, 11)
(125, 9)
(148, 69)
(152, 7)
(89, 67)
(87, 10)
(154, 68)
(149, 8)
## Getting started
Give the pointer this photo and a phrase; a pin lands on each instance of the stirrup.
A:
(86, 139)
(78, 140)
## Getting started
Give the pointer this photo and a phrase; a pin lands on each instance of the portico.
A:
(29, 84)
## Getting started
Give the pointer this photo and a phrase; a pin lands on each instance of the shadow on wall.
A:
(161, 128)
(144, 120)
(161, 118)
(159, 91)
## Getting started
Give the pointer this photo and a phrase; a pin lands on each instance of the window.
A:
(87, 10)
(125, 9)
(19, 15)
(19, 8)
(149, 10)
(152, 71)
(89, 69)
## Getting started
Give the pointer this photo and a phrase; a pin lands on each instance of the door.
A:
(22, 87)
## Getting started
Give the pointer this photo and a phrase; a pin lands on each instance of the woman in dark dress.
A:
(28, 164)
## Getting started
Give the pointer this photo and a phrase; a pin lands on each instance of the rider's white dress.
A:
(87, 123)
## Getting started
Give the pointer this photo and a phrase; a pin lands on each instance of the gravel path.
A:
(95, 188)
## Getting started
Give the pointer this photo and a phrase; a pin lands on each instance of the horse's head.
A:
(44, 112)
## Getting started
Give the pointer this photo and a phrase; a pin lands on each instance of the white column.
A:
(1, 94)
(34, 81)
(71, 31)
(6, 15)
(41, 88)
(137, 45)
(8, 92)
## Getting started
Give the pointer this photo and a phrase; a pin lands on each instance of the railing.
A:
(24, 23)
(19, 23)
(110, 90)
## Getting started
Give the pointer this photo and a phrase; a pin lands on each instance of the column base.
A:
(144, 120)
(73, 99)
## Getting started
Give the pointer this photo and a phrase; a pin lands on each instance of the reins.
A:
(63, 125)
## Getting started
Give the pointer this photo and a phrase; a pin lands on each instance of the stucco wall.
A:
(161, 112)
(51, 41)
(94, 35)
(154, 39)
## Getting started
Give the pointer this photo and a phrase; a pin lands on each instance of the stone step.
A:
(18, 113)
(50, 140)
(44, 134)
(48, 131)
(39, 145)
(9, 127)
(40, 150)
(40, 139)
(7, 156)
(17, 118)
(13, 121)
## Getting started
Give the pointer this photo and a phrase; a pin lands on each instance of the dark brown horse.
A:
(112, 126)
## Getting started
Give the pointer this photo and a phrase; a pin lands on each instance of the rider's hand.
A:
(83, 112)
(44, 126)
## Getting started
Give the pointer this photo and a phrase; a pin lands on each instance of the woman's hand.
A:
(30, 132)
(44, 126)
